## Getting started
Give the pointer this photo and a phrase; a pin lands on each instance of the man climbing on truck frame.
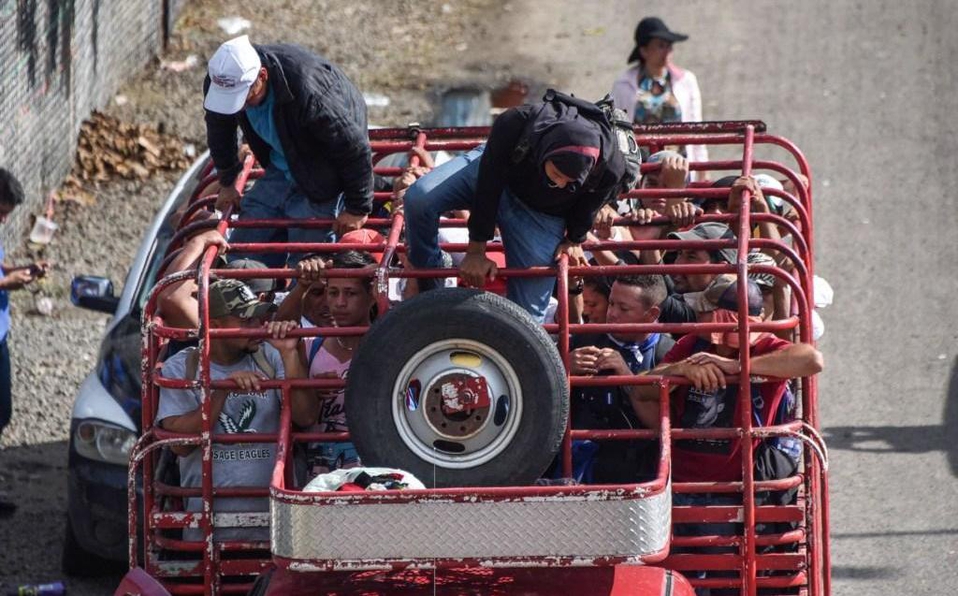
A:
(305, 122)
(544, 173)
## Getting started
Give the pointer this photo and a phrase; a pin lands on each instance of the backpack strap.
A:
(263, 363)
(192, 362)
(313, 350)
(524, 146)
(661, 349)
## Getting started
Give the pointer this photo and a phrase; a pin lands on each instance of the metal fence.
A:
(59, 60)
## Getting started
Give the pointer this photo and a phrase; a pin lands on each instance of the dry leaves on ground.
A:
(109, 148)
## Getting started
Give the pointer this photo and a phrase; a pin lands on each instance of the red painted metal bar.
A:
(189, 230)
(745, 388)
(306, 224)
(392, 241)
(780, 539)
(211, 573)
(198, 205)
(206, 181)
(562, 310)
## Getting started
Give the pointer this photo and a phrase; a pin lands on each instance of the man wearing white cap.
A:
(306, 123)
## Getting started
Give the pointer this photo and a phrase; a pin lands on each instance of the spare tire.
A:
(460, 388)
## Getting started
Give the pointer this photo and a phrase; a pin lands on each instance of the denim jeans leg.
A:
(6, 396)
(264, 201)
(530, 239)
(298, 206)
(450, 186)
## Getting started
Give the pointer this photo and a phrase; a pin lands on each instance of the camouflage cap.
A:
(231, 297)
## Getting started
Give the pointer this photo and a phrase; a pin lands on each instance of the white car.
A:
(106, 415)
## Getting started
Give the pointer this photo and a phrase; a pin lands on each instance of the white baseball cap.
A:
(766, 181)
(233, 70)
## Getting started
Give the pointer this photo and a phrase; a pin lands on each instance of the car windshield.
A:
(158, 251)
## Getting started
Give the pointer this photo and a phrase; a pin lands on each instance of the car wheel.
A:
(460, 388)
(77, 562)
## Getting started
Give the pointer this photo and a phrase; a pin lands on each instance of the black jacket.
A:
(320, 117)
(497, 170)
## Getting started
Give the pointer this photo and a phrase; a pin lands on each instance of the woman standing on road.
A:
(656, 91)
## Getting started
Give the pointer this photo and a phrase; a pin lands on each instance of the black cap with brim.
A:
(710, 231)
(652, 28)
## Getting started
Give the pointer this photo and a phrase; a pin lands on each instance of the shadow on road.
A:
(35, 478)
(906, 439)
(846, 572)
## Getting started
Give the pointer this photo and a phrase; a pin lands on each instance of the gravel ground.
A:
(407, 50)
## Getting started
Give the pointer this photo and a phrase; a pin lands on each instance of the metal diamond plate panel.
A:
(559, 527)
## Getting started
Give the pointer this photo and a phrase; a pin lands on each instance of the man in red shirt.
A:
(709, 402)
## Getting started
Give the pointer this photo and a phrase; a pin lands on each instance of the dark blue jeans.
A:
(275, 197)
(529, 237)
(6, 399)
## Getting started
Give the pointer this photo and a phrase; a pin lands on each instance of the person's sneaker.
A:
(7, 508)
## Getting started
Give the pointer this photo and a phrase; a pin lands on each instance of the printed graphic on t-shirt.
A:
(655, 103)
(332, 412)
(708, 409)
(247, 413)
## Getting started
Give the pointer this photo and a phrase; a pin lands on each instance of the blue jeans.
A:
(530, 237)
(274, 197)
(6, 398)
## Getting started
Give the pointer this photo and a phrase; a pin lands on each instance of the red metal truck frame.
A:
(807, 568)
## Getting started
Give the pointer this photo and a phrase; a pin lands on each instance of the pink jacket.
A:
(686, 89)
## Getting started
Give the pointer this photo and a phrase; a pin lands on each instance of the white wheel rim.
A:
(477, 439)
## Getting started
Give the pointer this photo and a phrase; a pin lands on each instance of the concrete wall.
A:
(59, 60)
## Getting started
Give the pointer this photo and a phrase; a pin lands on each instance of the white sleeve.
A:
(695, 152)
(274, 358)
(623, 94)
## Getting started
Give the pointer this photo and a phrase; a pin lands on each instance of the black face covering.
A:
(571, 142)
(573, 164)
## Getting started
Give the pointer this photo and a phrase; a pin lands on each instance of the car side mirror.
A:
(93, 292)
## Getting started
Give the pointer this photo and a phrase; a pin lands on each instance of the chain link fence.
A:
(59, 60)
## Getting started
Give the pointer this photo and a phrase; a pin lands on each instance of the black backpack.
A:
(606, 115)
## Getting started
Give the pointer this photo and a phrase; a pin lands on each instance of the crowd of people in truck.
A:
(547, 181)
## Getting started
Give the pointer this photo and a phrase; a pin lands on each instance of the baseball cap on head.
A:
(719, 304)
(766, 181)
(723, 293)
(660, 156)
(258, 285)
(232, 69)
(710, 230)
(231, 297)
(364, 236)
(651, 28)
(764, 281)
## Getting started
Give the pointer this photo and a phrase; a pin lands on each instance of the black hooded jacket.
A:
(320, 117)
(548, 125)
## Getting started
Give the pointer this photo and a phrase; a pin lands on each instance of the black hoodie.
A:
(548, 126)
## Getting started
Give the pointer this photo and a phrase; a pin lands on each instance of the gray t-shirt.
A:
(240, 464)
